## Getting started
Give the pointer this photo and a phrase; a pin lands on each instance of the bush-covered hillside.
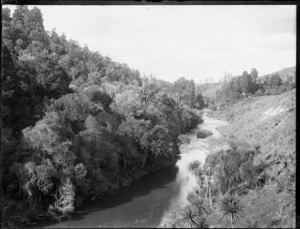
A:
(250, 85)
(77, 125)
(285, 74)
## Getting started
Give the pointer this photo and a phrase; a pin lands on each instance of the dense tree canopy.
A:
(78, 125)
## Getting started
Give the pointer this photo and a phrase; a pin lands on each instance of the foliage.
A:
(77, 125)
(198, 203)
(232, 167)
(239, 87)
(231, 208)
(271, 174)
(183, 139)
(194, 166)
(185, 91)
(203, 133)
(199, 101)
(247, 172)
(245, 82)
(191, 219)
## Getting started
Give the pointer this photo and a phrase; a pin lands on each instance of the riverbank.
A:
(198, 149)
(147, 200)
(270, 123)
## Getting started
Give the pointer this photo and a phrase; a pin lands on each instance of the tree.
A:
(231, 208)
(199, 101)
(247, 172)
(184, 139)
(49, 76)
(195, 168)
(198, 203)
(192, 219)
(6, 15)
(254, 84)
(230, 92)
(245, 83)
(150, 88)
(62, 145)
(12, 99)
(254, 75)
(185, 91)
(235, 84)
(64, 198)
(192, 93)
(227, 77)
(275, 80)
(127, 103)
(208, 186)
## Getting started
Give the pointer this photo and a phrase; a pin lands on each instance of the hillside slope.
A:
(268, 121)
(284, 74)
(286, 71)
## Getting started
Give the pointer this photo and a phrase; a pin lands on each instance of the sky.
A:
(197, 42)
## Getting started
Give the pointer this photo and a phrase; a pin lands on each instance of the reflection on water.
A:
(136, 206)
(145, 203)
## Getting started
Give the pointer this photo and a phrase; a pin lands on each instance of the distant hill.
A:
(286, 71)
(283, 73)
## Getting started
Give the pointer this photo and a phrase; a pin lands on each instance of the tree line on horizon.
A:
(249, 84)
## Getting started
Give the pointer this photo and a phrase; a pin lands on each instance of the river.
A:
(147, 202)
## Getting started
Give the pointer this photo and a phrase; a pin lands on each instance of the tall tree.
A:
(195, 168)
(192, 93)
(199, 101)
(245, 82)
(185, 91)
(254, 75)
(275, 80)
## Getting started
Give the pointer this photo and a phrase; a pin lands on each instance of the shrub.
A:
(231, 208)
(191, 219)
(226, 169)
(212, 107)
(259, 93)
(198, 203)
(247, 172)
(183, 139)
(230, 116)
(203, 133)
(211, 160)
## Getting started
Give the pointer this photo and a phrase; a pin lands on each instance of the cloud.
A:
(277, 20)
(194, 41)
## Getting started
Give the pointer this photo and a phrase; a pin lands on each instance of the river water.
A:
(147, 202)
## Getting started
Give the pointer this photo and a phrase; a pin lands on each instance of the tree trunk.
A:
(210, 197)
(145, 158)
(199, 187)
(209, 187)
(206, 191)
